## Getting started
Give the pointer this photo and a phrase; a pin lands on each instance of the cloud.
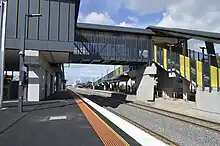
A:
(126, 24)
(97, 18)
(142, 7)
(193, 14)
(105, 19)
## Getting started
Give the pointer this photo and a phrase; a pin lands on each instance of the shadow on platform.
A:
(114, 101)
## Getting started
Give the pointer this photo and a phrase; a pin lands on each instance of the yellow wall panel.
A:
(187, 68)
(118, 71)
(219, 77)
(165, 58)
(182, 67)
(155, 53)
(199, 73)
(121, 69)
(213, 73)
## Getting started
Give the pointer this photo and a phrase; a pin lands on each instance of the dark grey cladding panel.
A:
(57, 22)
(64, 26)
(34, 8)
(54, 18)
(11, 23)
(72, 22)
(44, 21)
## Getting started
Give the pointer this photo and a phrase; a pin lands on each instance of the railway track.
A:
(156, 135)
(180, 117)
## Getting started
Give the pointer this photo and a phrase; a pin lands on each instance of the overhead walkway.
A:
(102, 44)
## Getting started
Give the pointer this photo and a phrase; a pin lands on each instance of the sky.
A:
(190, 14)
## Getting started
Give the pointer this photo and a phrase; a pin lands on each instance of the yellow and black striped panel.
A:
(219, 77)
(182, 67)
(213, 76)
(155, 53)
(121, 69)
(199, 73)
(165, 58)
(117, 71)
(187, 68)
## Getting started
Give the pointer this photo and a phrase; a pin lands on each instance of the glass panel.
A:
(193, 70)
(177, 63)
(168, 59)
(206, 73)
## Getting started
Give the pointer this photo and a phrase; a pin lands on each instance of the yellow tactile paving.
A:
(108, 136)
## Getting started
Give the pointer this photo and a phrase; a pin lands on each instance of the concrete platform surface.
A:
(183, 107)
(67, 121)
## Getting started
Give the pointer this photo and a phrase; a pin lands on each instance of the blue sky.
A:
(140, 14)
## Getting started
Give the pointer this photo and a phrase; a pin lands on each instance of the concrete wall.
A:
(39, 76)
(35, 83)
(208, 101)
(53, 30)
(146, 82)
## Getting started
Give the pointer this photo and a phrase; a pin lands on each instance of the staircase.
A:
(194, 67)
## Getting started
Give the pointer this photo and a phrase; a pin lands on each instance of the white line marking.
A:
(139, 135)
(58, 118)
(2, 109)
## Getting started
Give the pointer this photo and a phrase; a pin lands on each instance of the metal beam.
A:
(78, 48)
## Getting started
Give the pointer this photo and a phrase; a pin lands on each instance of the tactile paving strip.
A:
(108, 136)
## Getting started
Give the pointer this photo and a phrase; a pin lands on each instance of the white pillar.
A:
(145, 90)
(36, 83)
(186, 90)
(111, 86)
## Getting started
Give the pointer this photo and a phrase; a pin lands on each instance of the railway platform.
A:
(66, 119)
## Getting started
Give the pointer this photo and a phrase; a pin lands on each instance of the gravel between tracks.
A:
(177, 131)
(189, 119)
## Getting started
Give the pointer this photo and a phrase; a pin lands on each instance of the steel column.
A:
(21, 70)
(3, 5)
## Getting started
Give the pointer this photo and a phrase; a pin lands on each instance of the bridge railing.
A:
(192, 67)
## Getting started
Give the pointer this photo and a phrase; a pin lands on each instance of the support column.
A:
(51, 84)
(145, 88)
(118, 89)
(57, 82)
(110, 86)
(36, 84)
(131, 86)
(114, 87)
(2, 50)
(105, 87)
(126, 86)
(186, 90)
